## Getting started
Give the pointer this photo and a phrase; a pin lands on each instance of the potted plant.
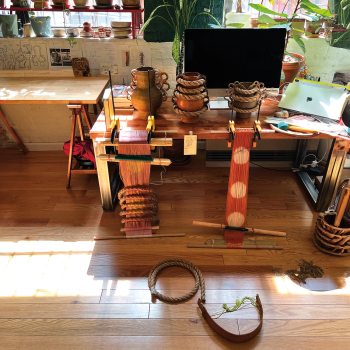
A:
(41, 25)
(292, 62)
(182, 18)
(338, 31)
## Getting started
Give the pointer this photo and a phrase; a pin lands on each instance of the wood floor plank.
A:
(28, 231)
(272, 297)
(271, 312)
(74, 311)
(169, 342)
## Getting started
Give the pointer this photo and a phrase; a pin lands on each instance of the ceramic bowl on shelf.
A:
(115, 30)
(117, 24)
(58, 32)
(86, 34)
(81, 3)
(121, 35)
(73, 32)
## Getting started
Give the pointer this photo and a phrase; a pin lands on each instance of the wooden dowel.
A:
(342, 206)
(153, 228)
(153, 236)
(156, 161)
(154, 142)
(250, 230)
(244, 246)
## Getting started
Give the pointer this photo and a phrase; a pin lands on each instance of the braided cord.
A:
(182, 263)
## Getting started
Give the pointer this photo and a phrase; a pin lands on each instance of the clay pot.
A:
(245, 105)
(87, 27)
(254, 23)
(140, 96)
(131, 3)
(291, 70)
(61, 2)
(190, 105)
(104, 2)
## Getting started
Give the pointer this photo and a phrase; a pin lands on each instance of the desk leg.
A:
(322, 199)
(13, 133)
(103, 178)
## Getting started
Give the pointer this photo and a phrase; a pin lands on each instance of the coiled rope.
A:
(182, 263)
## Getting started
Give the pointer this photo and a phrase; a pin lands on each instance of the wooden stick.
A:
(244, 246)
(156, 161)
(154, 142)
(342, 206)
(247, 229)
(153, 236)
(153, 228)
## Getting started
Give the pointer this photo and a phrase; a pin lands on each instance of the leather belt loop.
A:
(235, 338)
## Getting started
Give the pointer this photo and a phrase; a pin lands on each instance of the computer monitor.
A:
(228, 55)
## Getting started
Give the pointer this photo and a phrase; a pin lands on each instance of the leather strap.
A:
(235, 338)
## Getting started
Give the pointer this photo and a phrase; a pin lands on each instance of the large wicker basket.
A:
(329, 238)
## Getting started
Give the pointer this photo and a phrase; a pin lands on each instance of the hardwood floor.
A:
(61, 290)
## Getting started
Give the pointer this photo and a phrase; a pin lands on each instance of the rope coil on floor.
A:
(182, 263)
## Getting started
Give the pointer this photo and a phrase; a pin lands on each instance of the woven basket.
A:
(329, 238)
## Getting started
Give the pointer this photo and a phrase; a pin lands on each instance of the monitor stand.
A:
(220, 103)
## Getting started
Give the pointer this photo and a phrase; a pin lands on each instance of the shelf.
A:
(92, 9)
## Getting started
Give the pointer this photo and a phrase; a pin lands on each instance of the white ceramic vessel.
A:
(116, 24)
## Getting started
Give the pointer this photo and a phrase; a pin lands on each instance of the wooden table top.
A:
(51, 90)
(210, 122)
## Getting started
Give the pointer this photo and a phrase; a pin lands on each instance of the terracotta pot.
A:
(104, 2)
(140, 96)
(131, 3)
(254, 23)
(291, 70)
(41, 4)
(61, 2)
(190, 105)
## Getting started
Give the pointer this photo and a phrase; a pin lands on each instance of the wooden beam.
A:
(154, 142)
(156, 161)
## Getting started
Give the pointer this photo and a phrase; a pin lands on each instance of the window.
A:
(278, 6)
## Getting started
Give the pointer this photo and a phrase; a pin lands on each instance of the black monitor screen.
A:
(228, 55)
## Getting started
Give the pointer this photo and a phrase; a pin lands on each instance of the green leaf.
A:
(291, 55)
(176, 48)
(264, 9)
(321, 12)
(342, 36)
(299, 42)
(48, 17)
(266, 19)
(207, 14)
(308, 17)
(152, 17)
(236, 25)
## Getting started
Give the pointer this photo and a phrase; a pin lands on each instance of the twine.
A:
(198, 96)
(125, 190)
(152, 198)
(137, 213)
(153, 219)
(139, 206)
(177, 110)
(238, 87)
(189, 91)
(190, 83)
(182, 263)
(239, 98)
(239, 110)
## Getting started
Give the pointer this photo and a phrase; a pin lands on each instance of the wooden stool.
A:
(76, 116)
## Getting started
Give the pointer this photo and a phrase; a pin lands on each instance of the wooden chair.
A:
(77, 110)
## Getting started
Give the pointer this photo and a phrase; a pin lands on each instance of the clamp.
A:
(115, 126)
(231, 129)
(257, 131)
(150, 128)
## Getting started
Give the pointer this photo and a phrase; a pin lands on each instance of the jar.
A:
(26, 30)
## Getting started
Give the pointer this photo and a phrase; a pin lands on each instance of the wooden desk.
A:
(53, 90)
(211, 122)
(76, 93)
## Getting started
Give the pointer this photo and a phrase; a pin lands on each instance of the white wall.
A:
(48, 127)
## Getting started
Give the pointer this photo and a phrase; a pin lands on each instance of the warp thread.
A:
(139, 204)
(237, 195)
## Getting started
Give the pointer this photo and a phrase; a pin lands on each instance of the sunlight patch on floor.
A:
(286, 286)
(47, 268)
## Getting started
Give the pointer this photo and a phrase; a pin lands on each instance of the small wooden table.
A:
(212, 125)
(75, 92)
